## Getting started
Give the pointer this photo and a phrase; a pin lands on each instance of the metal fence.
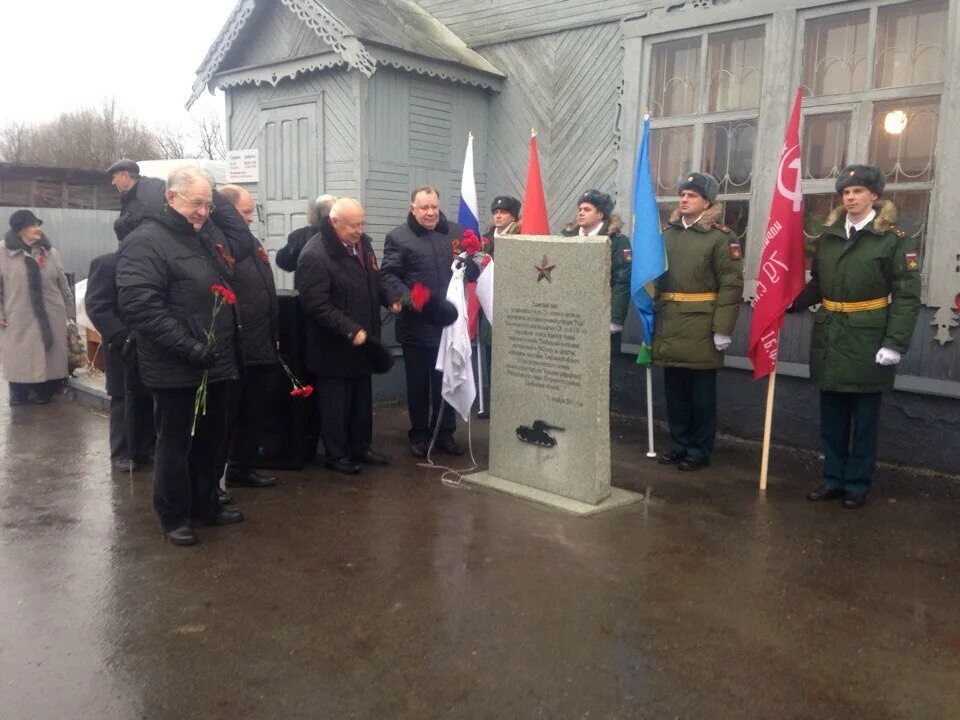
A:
(79, 235)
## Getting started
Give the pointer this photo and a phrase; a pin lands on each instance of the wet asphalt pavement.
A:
(393, 595)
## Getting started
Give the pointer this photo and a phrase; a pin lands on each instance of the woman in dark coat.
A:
(35, 302)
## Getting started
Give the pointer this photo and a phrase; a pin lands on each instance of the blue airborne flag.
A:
(649, 255)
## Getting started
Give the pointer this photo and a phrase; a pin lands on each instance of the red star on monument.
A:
(543, 270)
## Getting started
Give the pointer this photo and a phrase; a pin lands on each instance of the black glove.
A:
(791, 309)
(202, 356)
(119, 339)
(128, 351)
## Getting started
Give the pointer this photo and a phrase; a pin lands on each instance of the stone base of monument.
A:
(618, 498)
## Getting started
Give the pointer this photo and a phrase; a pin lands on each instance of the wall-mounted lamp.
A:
(895, 122)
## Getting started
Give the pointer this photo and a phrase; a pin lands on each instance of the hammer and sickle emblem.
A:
(796, 195)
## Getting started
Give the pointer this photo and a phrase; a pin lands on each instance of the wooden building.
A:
(373, 98)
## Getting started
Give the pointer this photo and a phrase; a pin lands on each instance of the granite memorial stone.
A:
(549, 413)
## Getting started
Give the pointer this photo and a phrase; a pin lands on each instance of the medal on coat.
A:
(262, 254)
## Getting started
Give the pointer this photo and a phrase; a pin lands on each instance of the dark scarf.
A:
(34, 282)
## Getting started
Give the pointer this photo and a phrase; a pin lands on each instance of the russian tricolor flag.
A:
(468, 216)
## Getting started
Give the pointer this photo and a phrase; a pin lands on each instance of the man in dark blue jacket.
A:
(132, 437)
(421, 250)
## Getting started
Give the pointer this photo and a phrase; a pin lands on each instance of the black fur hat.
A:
(600, 200)
(706, 186)
(23, 218)
(868, 176)
(439, 311)
(380, 359)
(507, 203)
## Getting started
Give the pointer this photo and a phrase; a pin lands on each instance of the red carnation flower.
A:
(306, 391)
(471, 243)
(419, 296)
(226, 293)
(486, 260)
(296, 392)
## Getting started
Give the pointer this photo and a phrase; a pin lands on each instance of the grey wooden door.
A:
(289, 152)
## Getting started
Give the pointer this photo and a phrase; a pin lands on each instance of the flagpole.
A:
(767, 429)
(480, 371)
(651, 453)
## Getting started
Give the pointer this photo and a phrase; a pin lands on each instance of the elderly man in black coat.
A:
(166, 272)
(341, 291)
(317, 212)
(132, 437)
(136, 194)
(421, 250)
(252, 278)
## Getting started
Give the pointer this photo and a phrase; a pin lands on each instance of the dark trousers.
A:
(246, 404)
(423, 394)
(186, 469)
(131, 421)
(43, 391)
(849, 426)
(346, 415)
(692, 410)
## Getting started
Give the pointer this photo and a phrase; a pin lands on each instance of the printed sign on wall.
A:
(243, 166)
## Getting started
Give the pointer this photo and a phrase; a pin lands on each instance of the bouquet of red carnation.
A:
(222, 295)
(471, 246)
(298, 389)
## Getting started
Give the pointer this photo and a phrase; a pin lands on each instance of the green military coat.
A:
(704, 258)
(879, 261)
(621, 256)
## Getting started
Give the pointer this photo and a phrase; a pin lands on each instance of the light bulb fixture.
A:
(895, 122)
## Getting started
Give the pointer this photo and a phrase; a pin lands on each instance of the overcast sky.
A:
(59, 55)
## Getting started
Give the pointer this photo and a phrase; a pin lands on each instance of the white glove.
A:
(721, 342)
(614, 328)
(888, 356)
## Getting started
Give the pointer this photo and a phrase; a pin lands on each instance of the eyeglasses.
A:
(196, 204)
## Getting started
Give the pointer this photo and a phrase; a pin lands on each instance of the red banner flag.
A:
(534, 220)
(781, 276)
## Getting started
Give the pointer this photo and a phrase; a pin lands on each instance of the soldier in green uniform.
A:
(504, 220)
(866, 278)
(696, 311)
(595, 217)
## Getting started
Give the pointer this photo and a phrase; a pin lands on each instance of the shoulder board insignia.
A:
(736, 252)
(665, 227)
(724, 229)
(898, 232)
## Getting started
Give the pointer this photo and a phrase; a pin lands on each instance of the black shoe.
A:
(372, 458)
(854, 501)
(15, 401)
(251, 479)
(225, 516)
(671, 457)
(419, 450)
(182, 535)
(692, 463)
(483, 415)
(123, 464)
(448, 446)
(223, 497)
(824, 492)
(344, 466)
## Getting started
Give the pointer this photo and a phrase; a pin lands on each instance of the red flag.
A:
(534, 220)
(781, 276)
